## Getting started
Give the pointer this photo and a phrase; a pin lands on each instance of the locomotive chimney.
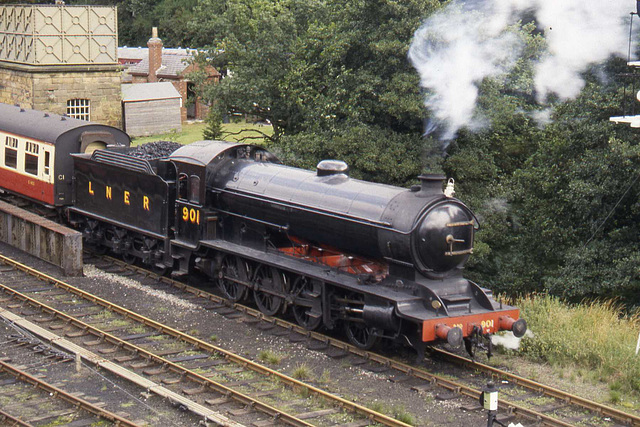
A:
(431, 183)
(155, 55)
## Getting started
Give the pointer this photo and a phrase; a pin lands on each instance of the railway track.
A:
(17, 384)
(520, 396)
(176, 363)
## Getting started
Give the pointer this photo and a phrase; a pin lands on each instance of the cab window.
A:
(194, 189)
(183, 180)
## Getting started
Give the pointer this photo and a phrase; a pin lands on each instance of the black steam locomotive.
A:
(380, 261)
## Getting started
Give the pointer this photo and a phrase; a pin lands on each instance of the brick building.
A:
(61, 59)
(158, 64)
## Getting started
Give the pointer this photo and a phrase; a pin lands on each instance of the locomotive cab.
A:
(196, 164)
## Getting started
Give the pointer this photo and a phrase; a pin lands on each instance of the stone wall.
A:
(42, 238)
(15, 88)
(49, 88)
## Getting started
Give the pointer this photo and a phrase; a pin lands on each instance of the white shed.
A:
(151, 108)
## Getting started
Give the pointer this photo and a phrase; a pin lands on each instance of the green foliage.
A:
(558, 204)
(302, 372)
(270, 356)
(331, 76)
(213, 129)
(372, 153)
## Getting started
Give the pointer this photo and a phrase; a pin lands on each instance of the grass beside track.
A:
(192, 132)
(596, 337)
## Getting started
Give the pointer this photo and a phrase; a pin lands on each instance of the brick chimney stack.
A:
(155, 55)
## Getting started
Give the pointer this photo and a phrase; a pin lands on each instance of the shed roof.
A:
(148, 91)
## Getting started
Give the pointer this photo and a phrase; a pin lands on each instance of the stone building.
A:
(61, 59)
(158, 64)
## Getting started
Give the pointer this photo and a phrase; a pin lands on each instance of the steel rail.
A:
(344, 403)
(8, 419)
(417, 372)
(112, 339)
(607, 411)
(63, 395)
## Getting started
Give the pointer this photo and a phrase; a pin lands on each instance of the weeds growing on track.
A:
(596, 336)
(270, 356)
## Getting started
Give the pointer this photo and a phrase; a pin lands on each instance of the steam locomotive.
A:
(376, 260)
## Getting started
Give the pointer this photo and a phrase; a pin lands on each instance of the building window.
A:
(79, 109)
(11, 152)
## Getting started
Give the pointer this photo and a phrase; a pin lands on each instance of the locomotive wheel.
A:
(230, 269)
(302, 288)
(129, 258)
(360, 335)
(268, 279)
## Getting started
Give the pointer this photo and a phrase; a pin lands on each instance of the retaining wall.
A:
(42, 238)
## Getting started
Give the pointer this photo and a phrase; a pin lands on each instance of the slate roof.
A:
(174, 62)
(148, 91)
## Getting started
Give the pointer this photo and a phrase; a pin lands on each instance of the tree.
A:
(213, 130)
(331, 76)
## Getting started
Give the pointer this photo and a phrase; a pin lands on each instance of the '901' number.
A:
(191, 215)
(487, 324)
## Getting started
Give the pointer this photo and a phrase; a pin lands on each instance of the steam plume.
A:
(457, 47)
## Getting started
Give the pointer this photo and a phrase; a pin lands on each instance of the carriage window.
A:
(182, 186)
(31, 158)
(194, 189)
(31, 164)
(47, 161)
(11, 152)
(32, 147)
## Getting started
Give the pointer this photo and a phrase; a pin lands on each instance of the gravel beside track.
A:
(310, 358)
(547, 405)
(177, 364)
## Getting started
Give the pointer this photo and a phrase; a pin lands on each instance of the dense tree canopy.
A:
(559, 204)
(331, 76)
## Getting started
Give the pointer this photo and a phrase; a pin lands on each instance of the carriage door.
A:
(189, 214)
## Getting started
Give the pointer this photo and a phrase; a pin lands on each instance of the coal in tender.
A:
(154, 150)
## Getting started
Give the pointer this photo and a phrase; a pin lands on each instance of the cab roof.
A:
(202, 153)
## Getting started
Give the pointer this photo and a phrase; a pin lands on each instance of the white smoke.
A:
(467, 41)
(508, 340)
